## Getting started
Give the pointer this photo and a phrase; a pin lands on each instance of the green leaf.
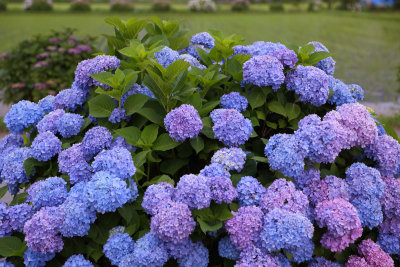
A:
(292, 111)
(131, 134)
(18, 199)
(222, 212)
(277, 107)
(140, 158)
(11, 246)
(260, 159)
(149, 134)
(153, 112)
(127, 212)
(197, 144)
(134, 103)
(256, 98)
(3, 191)
(164, 142)
(205, 214)
(115, 21)
(175, 69)
(390, 131)
(102, 77)
(159, 179)
(204, 56)
(272, 125)
(317, 57)
(195, 100)
(208, 107)
(101, 106)
(29, 166)
(171, 166)
(206, 227)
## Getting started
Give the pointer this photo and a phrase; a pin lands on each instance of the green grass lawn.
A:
(366, 45)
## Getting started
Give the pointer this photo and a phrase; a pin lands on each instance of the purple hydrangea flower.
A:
(250, 191)
(231, 159)
(310, 83)
(45, 146)
(203, 38)
(194, 191)
(257, 256)
(121, 142)
(303, 177)
(157, 196)
(214, 170)
(95, 140)
(49, 121)
(337, 188)
(222, 189)
(69, 157)
(117, 115)
(23, 115)
(118, 246)
(327, 64)
(77, 261)
(245, 227)
(10, 141)
(316, 191)
(46, 103)
(192, 61)
(18, 215)
(173, 222)
(47, 193)
(355, 261)
(234, 100)
(391, 199)
(287, 57)
(374, 255)
(179, 250)
(5, 224)
(198, 256)
(36, 259)
(166, 56)
(69, 99)
(117, 161)
(69, 124)
(227, 250)
(183, 122)
(369, 211)
(263, 71)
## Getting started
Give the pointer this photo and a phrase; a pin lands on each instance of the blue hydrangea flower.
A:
(234, 101)
(389, 243)
(311, 83)
(369, 211)
(192, 61)
(45, 146)
(287, 57)
(364, 181)
(194, 191)
(117, 115)
(260, 48)
(227, 250)
(10, 141)
(13, 171)
(5, 225)
(203, 38)
(231, 127)
(117, 161)
(214, 170)
(77, 261)
(166, 56)
(327, 64)
(49, 121)
(47, 103)
(81, 171)
(222, 189)
(156, 196)
(179, 250)
(85, 68)
(69, 157)
(149, 251)
(231, 159)
(249, 191)
(341, 93)
(173, 223)
(322, 262)
(69, 124)
(121, 142)
(356, 91)
(36, 259)
(263, 71)
(47, 193)
(23, 115)
(198, 256)
(257, 256)
(133, 190)
(137, 89)
(69, 99)
(183, 122)
(5, 263)
(192, 50)
(284, 154)
(118, 246)
(95, 140)
(18, 215)
(107, 192)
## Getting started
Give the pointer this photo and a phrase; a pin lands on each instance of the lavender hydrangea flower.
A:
(18, 215)
(260, 48)
(327, 64)
(222, 189)
(282, 194)
(69, 124)
(285, 155)
(234, 100)
(5, 263)
(287, 57)
(316, 191)
(156, 197)
(364, 181)
(355, 261)
(385, 150)
(179, 250)
(83, 78)
(245, 227)
(36, 259)
(183, 122)
(117, 161)
(303, 177)
(214, 170)
(166, 56)
(69, 99)
(374, 255)
(46, 103)
(13, 171)
(118, 246)
(337, 188)
(47, 193)
(77, 261)
(198, 256)
(230, 158)
(107, 192)
(95, 140)
(49, 121)
(203, 38)
(231, 127)
(310, 83)
(192, 50)
(173, 223)
(227, 250)
(263, 71)
(69, 157)
(192, 61)
(341, 93)
(121, 142)
(42, 231)
(45, 146)
(23, 115)
(391, 199)
(257, 256)
(250, 191)
(5, 224)
(194, 191)
(10, 141)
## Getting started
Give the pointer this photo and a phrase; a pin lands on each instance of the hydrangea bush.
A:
(203, 152)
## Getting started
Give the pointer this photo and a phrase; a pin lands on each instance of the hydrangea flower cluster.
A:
(45, 146)
(69, 99)
(234, 101)
(23, 115)
(204, 38)
(166, 56)
(327, 64)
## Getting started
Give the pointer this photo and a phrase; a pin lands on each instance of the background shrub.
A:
(121, 6)
(202, 5)
(80, 5)
(42, 65)
(41, 5)
(276, 6)
(240, 5)
(161, 5)
(3, 5)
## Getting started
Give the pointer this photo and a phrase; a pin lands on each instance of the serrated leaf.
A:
(101, 106)
(131, 134)
(3, 191)
(277, 107)
(149, 134)
(256, 98)
(292, 111)
(206, 227)
(208, 107)
(11, 246)
(159, 179)
(260, 159)
(171, 166)
(164, 142)
(134, 103)
(197, 144)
